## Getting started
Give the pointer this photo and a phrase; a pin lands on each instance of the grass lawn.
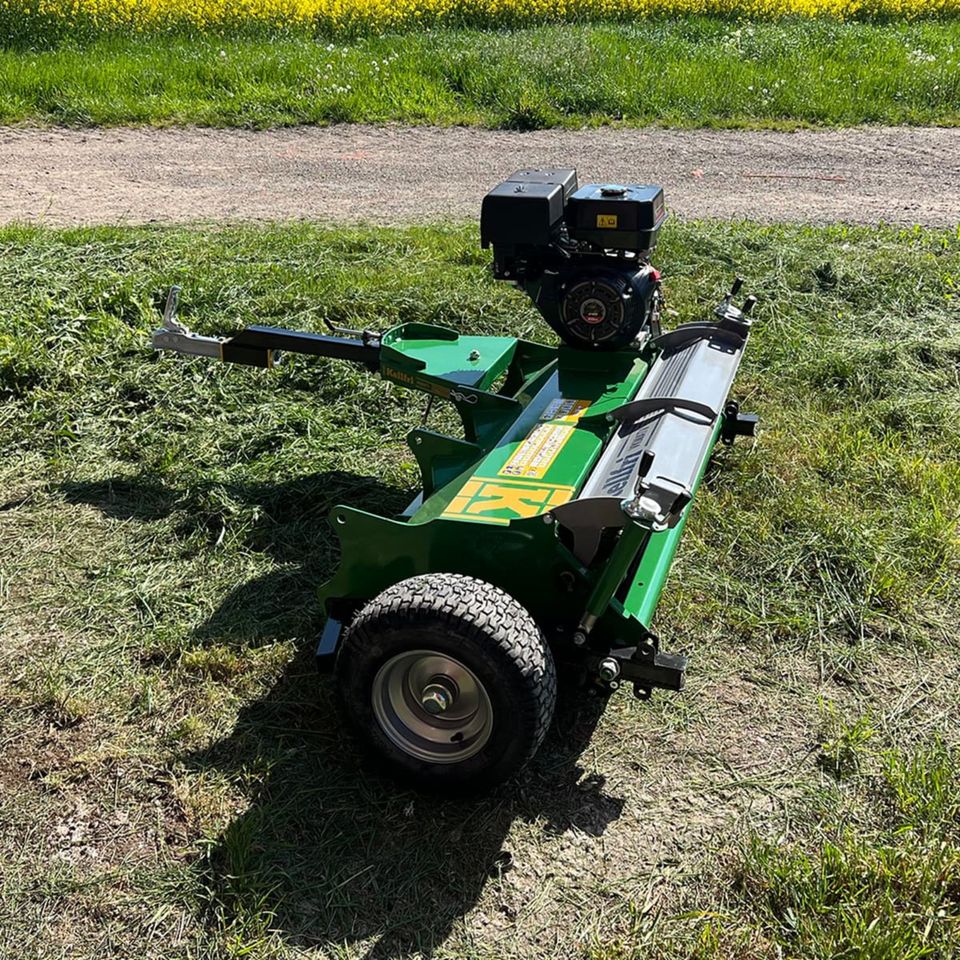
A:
(684, 72)
(174, 779)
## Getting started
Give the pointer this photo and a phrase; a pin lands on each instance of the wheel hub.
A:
(432, 706)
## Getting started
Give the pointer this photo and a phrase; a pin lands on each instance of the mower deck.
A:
(547, 463)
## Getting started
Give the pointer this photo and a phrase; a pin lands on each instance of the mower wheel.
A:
(449, 681)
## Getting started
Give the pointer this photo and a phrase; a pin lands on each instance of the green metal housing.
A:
(535, 421)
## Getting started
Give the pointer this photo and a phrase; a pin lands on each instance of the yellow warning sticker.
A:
(606, 221)
(481, 499)
(533, 457)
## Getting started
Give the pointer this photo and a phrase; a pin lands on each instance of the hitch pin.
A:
(367, 336)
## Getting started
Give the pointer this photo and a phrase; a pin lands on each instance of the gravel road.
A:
(392, 174)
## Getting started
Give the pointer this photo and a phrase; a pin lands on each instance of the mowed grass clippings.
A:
(174, 777)
(692, 71)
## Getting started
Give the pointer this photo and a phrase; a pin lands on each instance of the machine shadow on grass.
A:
(285, 521)
(329, 854)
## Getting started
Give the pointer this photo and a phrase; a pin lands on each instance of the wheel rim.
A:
(432, 707)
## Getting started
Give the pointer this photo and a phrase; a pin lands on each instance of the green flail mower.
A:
(546, 531)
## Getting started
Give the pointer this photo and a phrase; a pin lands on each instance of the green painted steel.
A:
(534, 422)
(524, 558)
(632, 540)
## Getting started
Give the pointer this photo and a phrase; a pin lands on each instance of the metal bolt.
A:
(579, 638)
(435, 698)
(548, 518)
(609, 669)
(474, 355)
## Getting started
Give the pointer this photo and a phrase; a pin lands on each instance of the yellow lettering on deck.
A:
(479, 499)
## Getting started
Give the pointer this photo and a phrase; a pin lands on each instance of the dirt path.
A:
(390, 174)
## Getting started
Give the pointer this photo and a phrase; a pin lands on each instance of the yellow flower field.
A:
(367, 15)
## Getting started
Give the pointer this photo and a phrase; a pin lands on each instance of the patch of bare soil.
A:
(393, 174)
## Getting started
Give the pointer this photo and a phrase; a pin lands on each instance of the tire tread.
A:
(472, 608)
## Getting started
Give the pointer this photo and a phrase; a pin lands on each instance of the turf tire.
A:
(487, 631)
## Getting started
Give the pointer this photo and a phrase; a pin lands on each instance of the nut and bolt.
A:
(609, 670)
(435, 698)
(474, 355)
(579, 638)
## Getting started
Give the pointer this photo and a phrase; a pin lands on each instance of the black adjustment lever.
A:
(731, 316)
(646, 462)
